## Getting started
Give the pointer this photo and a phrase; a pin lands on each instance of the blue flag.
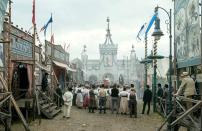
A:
(151, 23)
(46, 25)
(141, 31)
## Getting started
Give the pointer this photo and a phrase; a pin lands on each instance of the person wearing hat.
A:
(187, 88)
(67, 97)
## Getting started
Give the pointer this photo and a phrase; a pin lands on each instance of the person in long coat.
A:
(147, 97)
(92, 100)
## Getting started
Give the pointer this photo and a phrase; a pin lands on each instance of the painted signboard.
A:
(21, 47)
(59, 55)
(187, 33)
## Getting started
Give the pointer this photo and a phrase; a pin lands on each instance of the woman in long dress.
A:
(92, 100)
(86, 96)
(124, 101)
(79, 99)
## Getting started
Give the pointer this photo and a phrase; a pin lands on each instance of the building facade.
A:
(123, 71)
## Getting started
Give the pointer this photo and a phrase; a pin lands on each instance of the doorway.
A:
(20, 81)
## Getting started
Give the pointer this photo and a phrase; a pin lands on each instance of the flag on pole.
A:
(52, 39)
(68, 46)
(46, 25)
(141, 31)
(33, 13)
(146, 27)
(151, 23)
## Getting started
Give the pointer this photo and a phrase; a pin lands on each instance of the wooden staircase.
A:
(45, 105)
(48, 108)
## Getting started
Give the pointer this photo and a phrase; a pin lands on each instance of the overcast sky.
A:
(80, 22)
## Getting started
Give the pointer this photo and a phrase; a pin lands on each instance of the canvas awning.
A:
(60, 64)
(70, 69)
(64, 66)
(42, 67)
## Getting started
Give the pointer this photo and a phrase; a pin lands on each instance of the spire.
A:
(108, 35)
(133, 47)
(84, 48)
(132, 55)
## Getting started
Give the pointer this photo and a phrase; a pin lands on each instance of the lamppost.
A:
(157, 34)
(170, 58)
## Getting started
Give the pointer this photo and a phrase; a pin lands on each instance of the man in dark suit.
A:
(147, 97)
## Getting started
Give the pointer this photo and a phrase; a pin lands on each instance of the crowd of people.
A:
(118, 99)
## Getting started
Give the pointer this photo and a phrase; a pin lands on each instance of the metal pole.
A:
(127, 71)
(201, 57)
(154, 75)
(145, 81)
(170, 70)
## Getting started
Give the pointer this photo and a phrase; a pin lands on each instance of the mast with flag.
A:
(34, 43)
(144, 30)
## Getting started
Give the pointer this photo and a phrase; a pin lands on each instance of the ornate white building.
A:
(125, 71)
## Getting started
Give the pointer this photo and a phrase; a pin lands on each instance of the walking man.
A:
(114, 98)
(147, 97)
(67, 97)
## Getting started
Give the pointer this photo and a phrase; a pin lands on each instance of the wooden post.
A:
(8, 121)
(201, 108)
(15, 105)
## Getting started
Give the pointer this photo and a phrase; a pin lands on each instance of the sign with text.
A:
(21, 47)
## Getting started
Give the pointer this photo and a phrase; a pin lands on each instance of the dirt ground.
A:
(81, 120)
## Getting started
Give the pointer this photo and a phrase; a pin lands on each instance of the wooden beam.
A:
(15, 105)
(188, 99)
(186, 113)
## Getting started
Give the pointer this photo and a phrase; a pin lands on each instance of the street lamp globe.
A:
(157, 31)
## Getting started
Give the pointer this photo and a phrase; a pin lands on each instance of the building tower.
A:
(108, 50)
(84, 60)
(108, 57)
(133, 65)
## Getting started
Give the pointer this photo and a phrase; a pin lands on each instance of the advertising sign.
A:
(187, 33)
(21, 47)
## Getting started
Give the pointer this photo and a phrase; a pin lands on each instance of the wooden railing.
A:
(182, 114)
